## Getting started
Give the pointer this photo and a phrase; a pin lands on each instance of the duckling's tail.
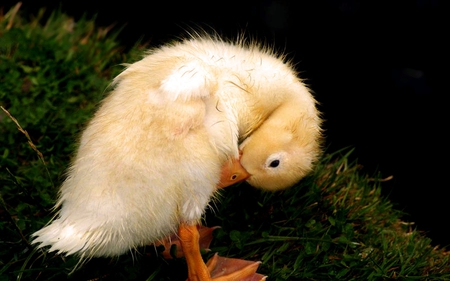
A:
(65, 238)
(61, 237)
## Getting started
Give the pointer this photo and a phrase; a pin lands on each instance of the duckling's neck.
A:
(288, 110)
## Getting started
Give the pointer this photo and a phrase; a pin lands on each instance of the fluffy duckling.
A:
(166, 138)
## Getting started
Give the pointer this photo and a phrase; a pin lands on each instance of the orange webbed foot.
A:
(223, 269)
(217, 268)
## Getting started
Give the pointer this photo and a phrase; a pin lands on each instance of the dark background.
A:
(376, 67)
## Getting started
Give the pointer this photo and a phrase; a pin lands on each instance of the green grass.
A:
(334, 225)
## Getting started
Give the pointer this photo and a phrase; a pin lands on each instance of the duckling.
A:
(167, 137)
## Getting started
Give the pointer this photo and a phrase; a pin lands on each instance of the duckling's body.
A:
(151, 157)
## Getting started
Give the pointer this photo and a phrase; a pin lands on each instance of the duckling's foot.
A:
(218, 269)
(222, 268)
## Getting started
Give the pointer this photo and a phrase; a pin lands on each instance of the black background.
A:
(378, 69)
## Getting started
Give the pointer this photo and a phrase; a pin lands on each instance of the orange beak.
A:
(232, 172)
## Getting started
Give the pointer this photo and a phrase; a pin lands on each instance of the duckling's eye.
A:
(274, 163)
(234, 176)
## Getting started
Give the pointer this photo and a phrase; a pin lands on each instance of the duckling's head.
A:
(284, 148)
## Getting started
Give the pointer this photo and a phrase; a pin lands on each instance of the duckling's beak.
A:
(232, 172)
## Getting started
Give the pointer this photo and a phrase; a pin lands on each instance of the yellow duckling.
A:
(166, 138)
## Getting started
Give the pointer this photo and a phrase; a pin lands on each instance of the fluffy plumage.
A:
(151, 156)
